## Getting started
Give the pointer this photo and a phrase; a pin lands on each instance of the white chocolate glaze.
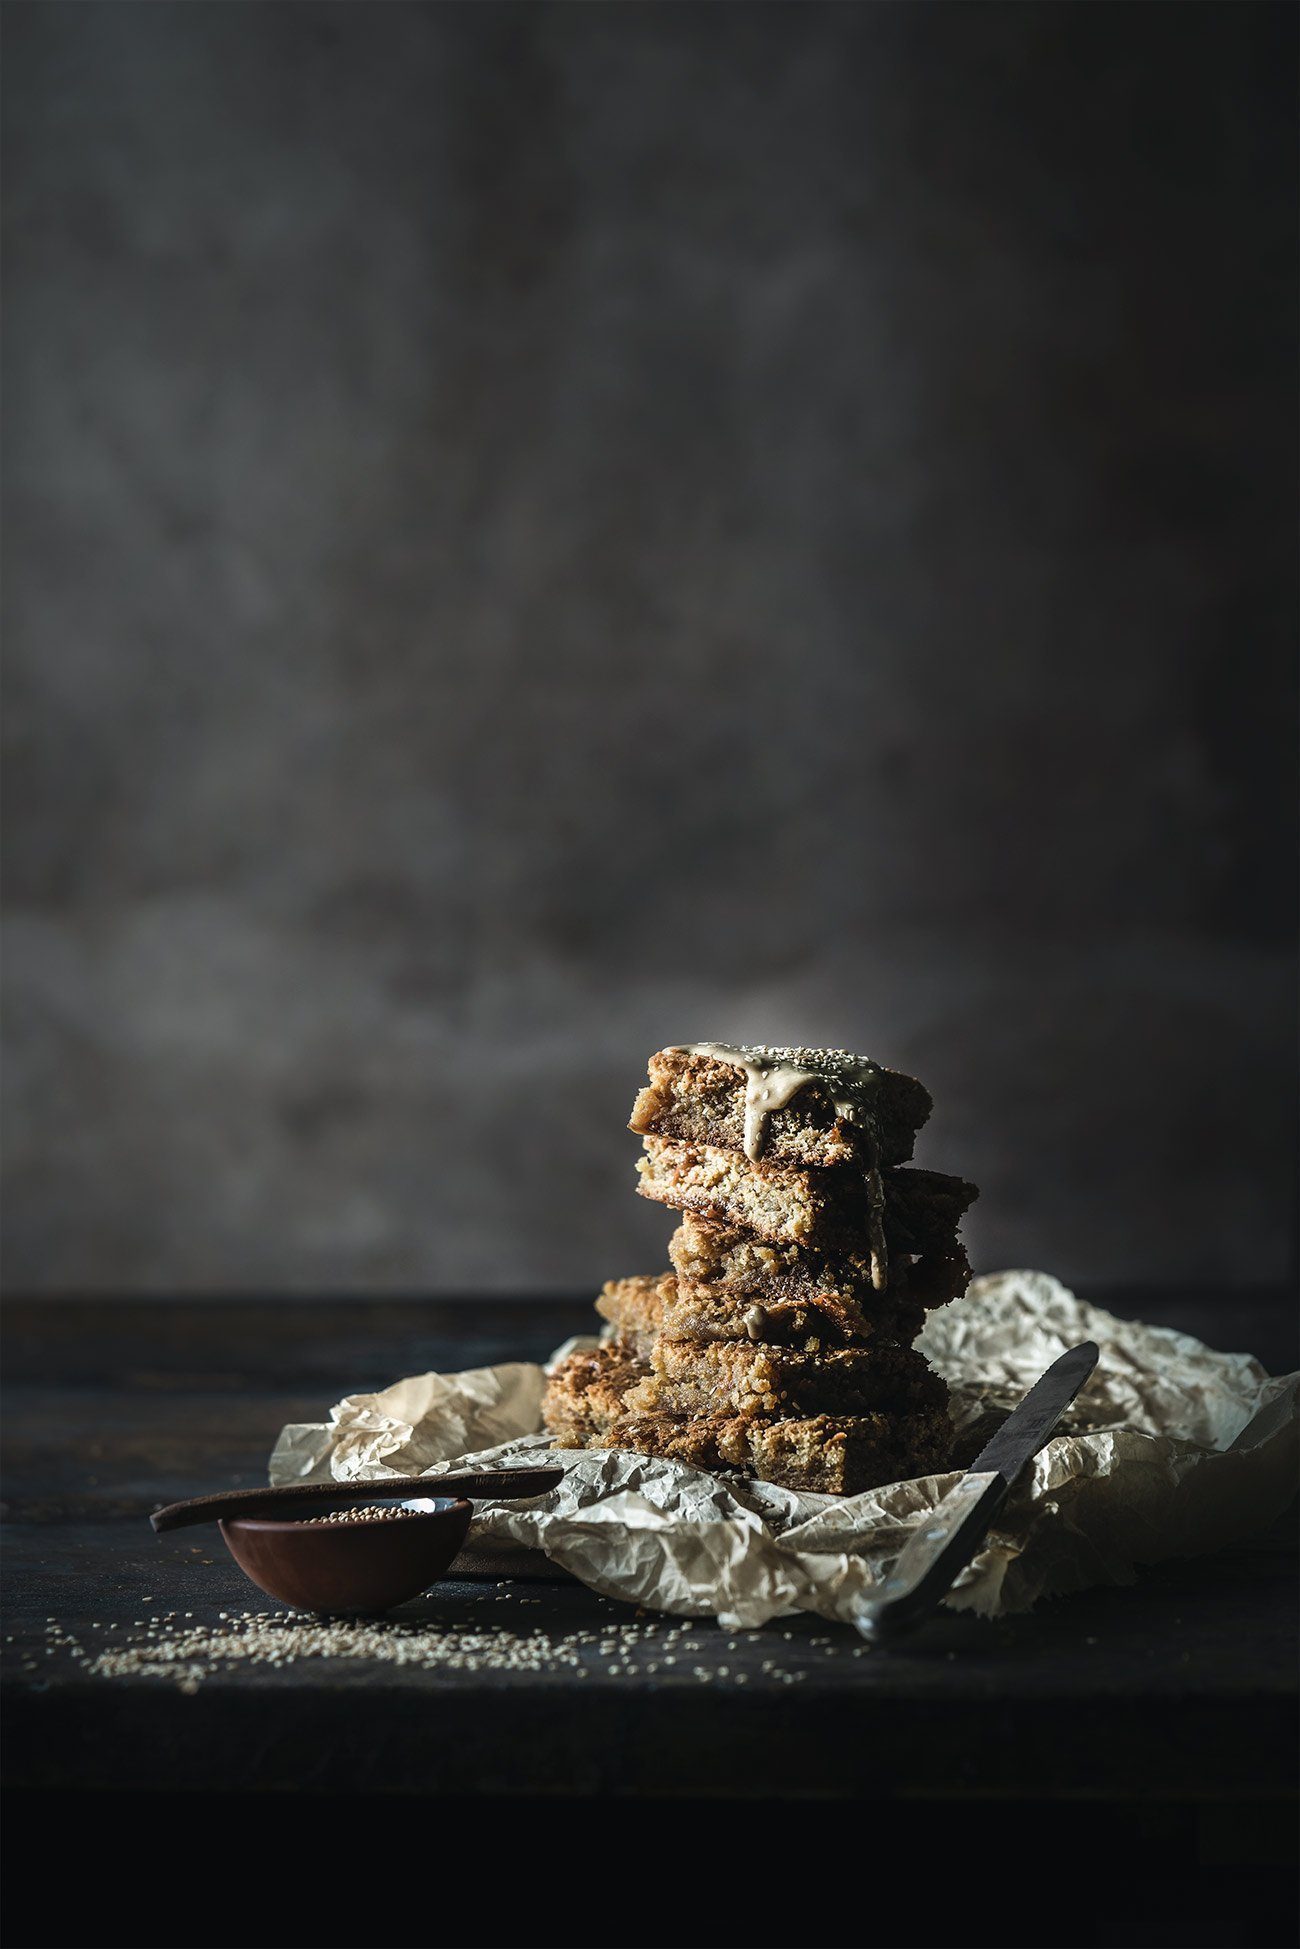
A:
(774, 1076)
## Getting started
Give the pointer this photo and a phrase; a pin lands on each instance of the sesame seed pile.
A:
(370, 1512)
(185, 1653)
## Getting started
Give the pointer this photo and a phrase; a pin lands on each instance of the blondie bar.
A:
(803, 1107)
(584, 1394)
(830, 1454)
(826, 1321)
(733, 1376)
(636, 1308)
(824, 1210)
(720, 1267)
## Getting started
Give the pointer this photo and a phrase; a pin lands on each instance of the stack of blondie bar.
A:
(780, 1344)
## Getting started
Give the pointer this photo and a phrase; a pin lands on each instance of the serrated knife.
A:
(940, 1548)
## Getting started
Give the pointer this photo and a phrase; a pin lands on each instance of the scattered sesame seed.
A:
(178, 1650)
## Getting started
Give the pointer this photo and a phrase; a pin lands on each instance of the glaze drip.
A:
(774, 1076)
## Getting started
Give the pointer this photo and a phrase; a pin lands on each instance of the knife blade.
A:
(941, 1546)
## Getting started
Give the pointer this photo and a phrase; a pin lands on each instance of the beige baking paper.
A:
(1171, 1450)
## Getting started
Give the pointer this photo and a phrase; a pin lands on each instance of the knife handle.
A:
(480, 1485)
(935, 1554)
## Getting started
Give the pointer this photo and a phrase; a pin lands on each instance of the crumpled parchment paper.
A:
(1171, 1450)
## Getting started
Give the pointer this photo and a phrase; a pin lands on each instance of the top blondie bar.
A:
(801, 1107)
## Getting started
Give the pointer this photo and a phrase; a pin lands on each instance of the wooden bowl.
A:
(358, 1568)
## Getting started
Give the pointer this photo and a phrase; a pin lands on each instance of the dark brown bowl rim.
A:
(287, 1525)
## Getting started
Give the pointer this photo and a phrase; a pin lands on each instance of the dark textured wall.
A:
(535, 532)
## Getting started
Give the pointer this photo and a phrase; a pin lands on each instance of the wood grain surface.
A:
(1183, 1683)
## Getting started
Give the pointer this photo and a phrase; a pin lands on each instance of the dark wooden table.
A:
(1158, 1705)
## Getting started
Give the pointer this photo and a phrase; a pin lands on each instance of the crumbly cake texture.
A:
(721, 1263)
(584, 1394)
(735, 1376)
(823, 1210)
(700, 1099)
(835, 1455)
(637, 1308)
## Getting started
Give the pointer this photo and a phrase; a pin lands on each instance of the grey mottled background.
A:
(539, 531)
